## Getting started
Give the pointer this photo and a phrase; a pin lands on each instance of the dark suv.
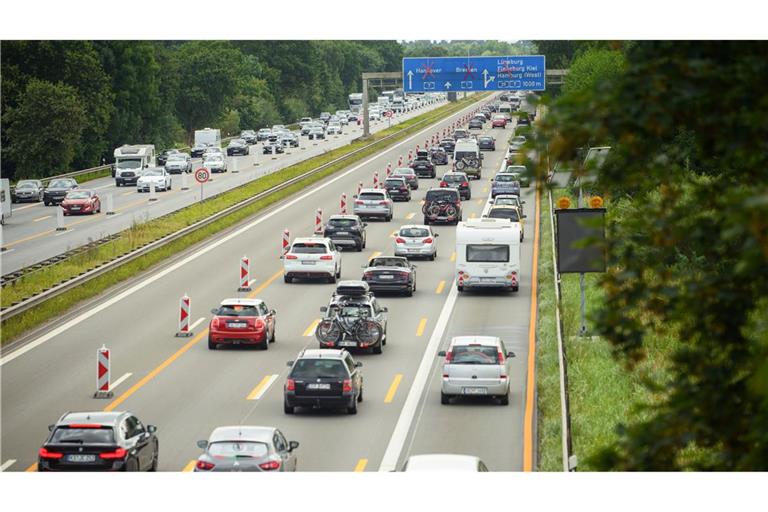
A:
(442, 205)
(323, 378)
(398, 188)
(439, 155)
(346, 230)
(423, 166)
(99, 441)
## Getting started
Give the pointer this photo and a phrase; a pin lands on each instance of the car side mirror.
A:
(50, 428)
(358, 364)
(525, 216)
(523, 202)
(289, 363)
(441, 353)
(151, 429)
(385, 310)
(292, 445)
(202, 444)
(323, 309)
(214, 311)
(354, 196)
(510, 354)
(436, 235)
(365, 224)
(272, 312)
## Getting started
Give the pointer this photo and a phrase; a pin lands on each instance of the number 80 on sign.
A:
(202, 175)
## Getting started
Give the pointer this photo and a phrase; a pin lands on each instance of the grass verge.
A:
(141, 234)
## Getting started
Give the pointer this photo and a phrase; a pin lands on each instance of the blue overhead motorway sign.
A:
(508, 73)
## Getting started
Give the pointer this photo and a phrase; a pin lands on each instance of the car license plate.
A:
(386, 277)
(305, 262)
(237, 325)
(75, 208)
(342, 233)
(475, 391)
(319, 385)
(81, 457)
(347, 344)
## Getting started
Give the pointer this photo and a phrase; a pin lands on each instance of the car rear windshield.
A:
(501, 201)
(342, 223)
(237, 310)
(25, 185)
(319, 368)
(98, 435)
(387, 262)
(79, 194)
(505, 178)
(504, 213)
(442, 195)
(371, 196)
(394, 183)
(487, 253)
(454, 177)
(414, 232)
(308, 248)
(474, 354)
(237, 449)
(60, 184)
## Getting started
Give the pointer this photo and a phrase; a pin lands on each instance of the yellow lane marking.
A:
(480, 202)
(393, 388)
(393, 234)
(530, 384)
(32, 468)
(311, 329)
(485, 190)
(27, 239)
(472, 215)
(453, 256)
(440, 287)
(263, 285)
(189, 467)
(374, 255)
(42, 218)
(360, 466)
(410, 216)
(127, 193)
(151, 375)
(420, 328)
(261, 387)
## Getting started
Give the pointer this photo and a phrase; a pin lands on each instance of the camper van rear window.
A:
(487, 253)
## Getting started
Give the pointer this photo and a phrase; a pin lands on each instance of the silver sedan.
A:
(247, 448)
(416, 240)
(476, 366)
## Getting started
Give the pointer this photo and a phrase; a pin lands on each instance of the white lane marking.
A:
(103, 186)
(250, 283)
(120, 381)
(69, 230)
(42, 218)
(7, 464)
(403, 426)
(264, 389)
(197, 322)
(204, 250)
(18, 209)
(8, 250)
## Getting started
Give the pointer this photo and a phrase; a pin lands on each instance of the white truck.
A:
(210, 136)
(5, 199)
(130, 162)
(356, 102)
(487, 254)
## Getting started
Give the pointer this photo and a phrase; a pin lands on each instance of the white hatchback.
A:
(476, 366)
(312, 258)
(416, 240)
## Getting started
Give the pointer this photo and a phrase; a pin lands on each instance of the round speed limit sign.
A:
(202, 175)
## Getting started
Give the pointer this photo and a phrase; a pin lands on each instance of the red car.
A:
(81, 201)
(241, 322)
(499, 122)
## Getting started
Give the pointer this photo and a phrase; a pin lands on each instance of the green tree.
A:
(60, 110)
(591, 68)
(558, 53)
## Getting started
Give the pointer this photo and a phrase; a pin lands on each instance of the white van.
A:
(130, 162)
(488, 254)
(507, 110)
(467, 158)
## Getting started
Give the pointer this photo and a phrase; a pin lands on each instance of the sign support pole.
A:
(583, 329)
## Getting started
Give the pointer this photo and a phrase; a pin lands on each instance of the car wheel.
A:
(211, 344)
(459, 287)
(338, 273)
(352, 409)
(153, 466)
(359, 247)
(409, 293)
(287, 279)
(433, 256)
(332, 279)
(504, 399)
(360, 396)
(287, 409)
(426, 221)
(273, 338)
(265, 345)
(377, 349)
(47, 203)
(445, 399)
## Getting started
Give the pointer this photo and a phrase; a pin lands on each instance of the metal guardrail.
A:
(75, 174)
(11, 311)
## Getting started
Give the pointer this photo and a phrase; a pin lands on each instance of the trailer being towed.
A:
(487, 254)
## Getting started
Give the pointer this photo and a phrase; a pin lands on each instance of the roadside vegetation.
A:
(673, 372)
(142, 233)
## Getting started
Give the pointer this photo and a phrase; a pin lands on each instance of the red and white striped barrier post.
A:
(185, 306)
(286, 243)
(389, 169)
(102, 373)
(417, 148)
(343, 206)
(375, 179)
(400, 161)
(319, 221)
(410, 155)
(359, 187)
(245, 275)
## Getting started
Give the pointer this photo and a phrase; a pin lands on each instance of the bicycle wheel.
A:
(368, 331)
(328, 331)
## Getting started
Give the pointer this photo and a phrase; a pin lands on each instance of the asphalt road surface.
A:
(30, 235)
(187, 390)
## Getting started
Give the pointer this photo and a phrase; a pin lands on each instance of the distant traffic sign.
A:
(506, 73)
(202, 175)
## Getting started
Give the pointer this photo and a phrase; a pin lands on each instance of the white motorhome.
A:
(487, 254)
(210, 136)
(5, 199)
(130, 162)
(356, 102)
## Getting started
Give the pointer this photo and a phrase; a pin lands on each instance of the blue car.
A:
(505, 183)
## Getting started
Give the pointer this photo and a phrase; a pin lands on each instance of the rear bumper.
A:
(389, 287)
(399, 195)
(458, 386)
(343, 400)
(345, 240)
(239, 338)
(414, 251)
(371, 212)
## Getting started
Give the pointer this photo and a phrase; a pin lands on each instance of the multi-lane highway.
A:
(30, 235)
(187, 390)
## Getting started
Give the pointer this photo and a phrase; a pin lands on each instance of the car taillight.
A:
(326, 257)
(359, 202)
(290, 385)
(464, 183)
(120, 453)
(448, 356)
(49, 455)
(427, 241)
(443, 184)
(399, 240)
(500, 357)
(367, 275)
(291, 257)
(215, 323)
(403, 189)
(258, 325)
(270, 466)
(347, 386)
(403, 274)
(382, 203)
(204, 466)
